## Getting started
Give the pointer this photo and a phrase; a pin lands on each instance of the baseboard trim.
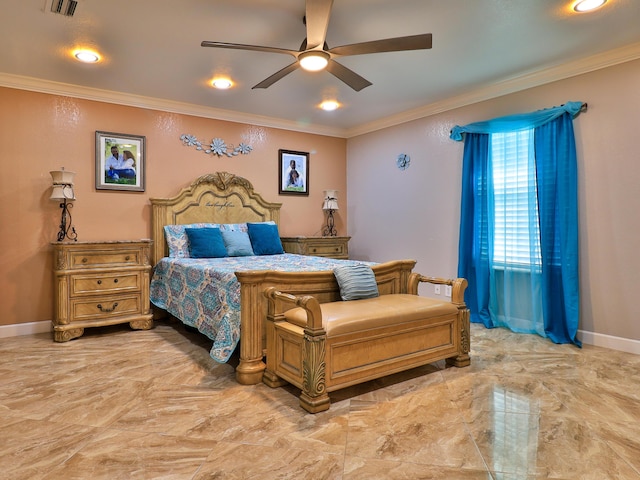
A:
(19, 329)
(590, 338)
(608, 341)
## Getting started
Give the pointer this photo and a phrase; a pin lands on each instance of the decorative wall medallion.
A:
(403, 161)
(217, 146)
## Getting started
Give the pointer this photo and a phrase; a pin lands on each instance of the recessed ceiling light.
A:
(588, 5)
(329, 105)
(221, 83)
(313, 61)
(86, 56)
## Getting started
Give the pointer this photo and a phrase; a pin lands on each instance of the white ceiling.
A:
(152, 53)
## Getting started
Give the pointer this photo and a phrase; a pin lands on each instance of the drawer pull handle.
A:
(127, 258)
(313, 250)
(84, 260)
(107, 310)
(337, 249)
(99, 282)
(115, 280)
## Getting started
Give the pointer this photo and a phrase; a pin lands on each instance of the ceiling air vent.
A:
(64, 7)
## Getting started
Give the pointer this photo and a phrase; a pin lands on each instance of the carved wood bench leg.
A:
(271, 379)
(315, 405)
(314, 397)
(463, 359)
(269, 376)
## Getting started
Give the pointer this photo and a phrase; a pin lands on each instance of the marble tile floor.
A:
(123, 404)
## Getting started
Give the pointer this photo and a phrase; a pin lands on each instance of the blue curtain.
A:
(542, 298)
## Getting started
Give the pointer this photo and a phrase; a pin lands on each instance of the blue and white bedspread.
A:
(204, 293)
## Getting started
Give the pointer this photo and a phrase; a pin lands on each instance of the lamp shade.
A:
(330, 200)
(62, 177)
(62, 185)
(62, 192)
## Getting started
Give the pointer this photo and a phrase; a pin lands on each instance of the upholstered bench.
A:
(322, 347)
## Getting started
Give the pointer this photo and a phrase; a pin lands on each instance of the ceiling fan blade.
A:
(398, 44)
(317, 20)
(348, 76)
(267, 82)
(254, 48)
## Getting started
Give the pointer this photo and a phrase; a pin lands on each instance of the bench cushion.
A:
(356, 315)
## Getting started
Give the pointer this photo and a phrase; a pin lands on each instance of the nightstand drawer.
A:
(114, 306)
(326, 250)
(105, 258)
(333, 247)
(105, 283)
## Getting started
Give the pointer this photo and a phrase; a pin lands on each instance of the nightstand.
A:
(100, 283)
(333, 247)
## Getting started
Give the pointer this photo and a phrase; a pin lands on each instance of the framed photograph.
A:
(120, 162)
(293, 172)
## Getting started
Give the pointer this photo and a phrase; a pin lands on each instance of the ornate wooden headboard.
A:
(219, 197)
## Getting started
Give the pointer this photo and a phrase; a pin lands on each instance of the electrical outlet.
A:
(436, 289)
(447, 291)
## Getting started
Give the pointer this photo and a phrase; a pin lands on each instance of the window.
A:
(516, 233)
(519, 222)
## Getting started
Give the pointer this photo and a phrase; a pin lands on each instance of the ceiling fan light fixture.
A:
(313, 61)
(314, 54)
(588, 5)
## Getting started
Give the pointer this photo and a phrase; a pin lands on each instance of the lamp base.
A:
(66, 230)
(329, 229)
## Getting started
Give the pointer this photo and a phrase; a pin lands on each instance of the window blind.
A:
(516, 233)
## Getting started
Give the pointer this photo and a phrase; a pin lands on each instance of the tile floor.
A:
(122, 404)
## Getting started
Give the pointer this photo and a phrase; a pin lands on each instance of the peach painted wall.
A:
(41, 132)
(417, 211)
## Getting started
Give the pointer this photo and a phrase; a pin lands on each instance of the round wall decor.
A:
(403, 161)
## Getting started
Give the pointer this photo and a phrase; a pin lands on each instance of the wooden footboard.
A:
(392, 277)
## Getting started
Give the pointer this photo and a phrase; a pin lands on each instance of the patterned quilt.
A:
(204, 293)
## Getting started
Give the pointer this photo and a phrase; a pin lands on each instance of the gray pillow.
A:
(237, 243)
(356, 281)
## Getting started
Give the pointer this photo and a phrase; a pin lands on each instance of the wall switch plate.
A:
(436, 289)
(447, 290)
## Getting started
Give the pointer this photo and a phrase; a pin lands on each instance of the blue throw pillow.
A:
(237, 243)
(205, 243)
(265, 238)
(356, 281)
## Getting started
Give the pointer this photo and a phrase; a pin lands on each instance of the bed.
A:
(223, 297)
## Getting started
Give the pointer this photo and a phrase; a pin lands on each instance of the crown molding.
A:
(506, 86)
(107, 96)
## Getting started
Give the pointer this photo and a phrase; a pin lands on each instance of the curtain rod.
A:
(583, 107)
(518, 121)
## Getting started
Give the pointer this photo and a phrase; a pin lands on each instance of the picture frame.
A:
(293, 172)
(126, 172)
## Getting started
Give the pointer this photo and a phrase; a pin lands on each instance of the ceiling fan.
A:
(314, 54)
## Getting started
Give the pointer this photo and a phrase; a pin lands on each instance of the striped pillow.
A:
(356, 281)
